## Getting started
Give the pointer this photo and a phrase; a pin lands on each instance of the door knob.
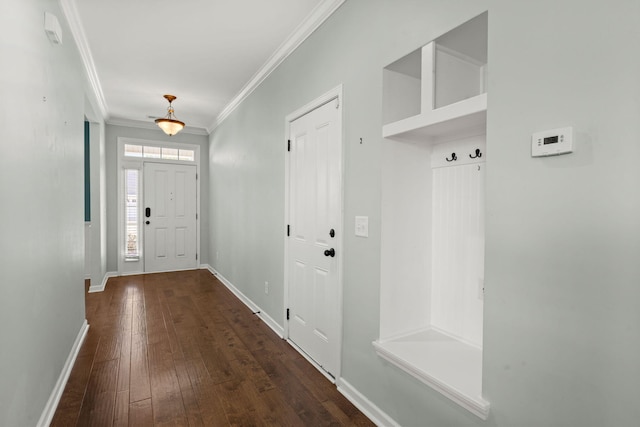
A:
(330, 252)
(147, 222)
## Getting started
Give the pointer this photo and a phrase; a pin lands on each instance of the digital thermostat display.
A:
(552, 142)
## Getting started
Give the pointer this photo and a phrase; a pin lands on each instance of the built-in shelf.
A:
(432, 214)
(453, 121)
(450, 366)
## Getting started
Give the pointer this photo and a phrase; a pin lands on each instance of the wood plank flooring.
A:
(179, 349)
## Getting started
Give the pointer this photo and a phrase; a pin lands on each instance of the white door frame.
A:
(334, 94)
(137, 267)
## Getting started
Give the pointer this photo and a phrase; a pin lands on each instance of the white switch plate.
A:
(552, 142)
(362, 226)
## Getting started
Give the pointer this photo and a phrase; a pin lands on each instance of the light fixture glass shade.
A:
(170, 126)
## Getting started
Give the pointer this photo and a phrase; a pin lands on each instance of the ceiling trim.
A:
(320, 14)
(70, 11)
(151, 125)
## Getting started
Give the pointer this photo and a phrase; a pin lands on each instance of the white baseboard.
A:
(56, 393)
(374, 413)
(275, 327)
(268, 320)
(100, 288)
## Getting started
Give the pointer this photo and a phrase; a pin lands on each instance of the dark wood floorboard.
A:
(179, 349)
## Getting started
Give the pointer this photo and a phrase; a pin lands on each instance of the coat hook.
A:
(452, 159)
(478, 154)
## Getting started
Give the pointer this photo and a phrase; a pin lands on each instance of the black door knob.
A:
(330, 252)
(147, 222)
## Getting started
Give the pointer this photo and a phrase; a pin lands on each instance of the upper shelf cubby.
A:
(439, 90)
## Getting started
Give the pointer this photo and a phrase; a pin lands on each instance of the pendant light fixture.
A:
(169, 124)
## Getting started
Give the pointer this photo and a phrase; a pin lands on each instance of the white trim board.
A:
(52, 404)
(367, 407)
(100, 288)
(320, 14)
(137, 266)
(270, 322)
(119, 121)
(70, 11)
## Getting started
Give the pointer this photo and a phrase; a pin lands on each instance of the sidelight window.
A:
(132, 228)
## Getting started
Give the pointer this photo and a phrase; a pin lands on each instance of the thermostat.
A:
(552, 142)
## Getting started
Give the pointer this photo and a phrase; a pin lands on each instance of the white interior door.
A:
(169, 217)
(313, 256)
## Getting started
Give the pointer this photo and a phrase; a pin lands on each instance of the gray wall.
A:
(561, 315)
(41, 212)
(562, 339)
(114, 132)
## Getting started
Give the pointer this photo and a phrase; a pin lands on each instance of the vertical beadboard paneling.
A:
(458, 250)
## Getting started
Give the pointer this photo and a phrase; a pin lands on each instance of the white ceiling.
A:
(208, 53)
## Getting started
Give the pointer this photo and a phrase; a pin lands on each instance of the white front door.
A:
(315, 232)
(169, 217)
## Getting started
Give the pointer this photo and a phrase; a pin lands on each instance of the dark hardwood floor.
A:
(179, 349)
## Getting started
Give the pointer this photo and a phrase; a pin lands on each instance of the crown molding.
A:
(118, 121)
(72, 15)
(320, 14)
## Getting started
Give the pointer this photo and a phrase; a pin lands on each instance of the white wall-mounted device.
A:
(362, 226)
(552, 142)
(52, 28)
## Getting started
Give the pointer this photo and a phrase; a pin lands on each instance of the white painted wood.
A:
(458, 249)
(277, 328)
(103, 284)
(314, 207)
(72, 14)
(445, 364)
(274, 41)
(401, 88)
(136, 266)
(465, 149)
(457, 78)
(454, 121)
(52, 403)
(432, 242)
(170, 238)
(453, 82)
(428, 95)
(367, 407)
(320, 14)
(405, 237)
(468, 40)
(315, 364)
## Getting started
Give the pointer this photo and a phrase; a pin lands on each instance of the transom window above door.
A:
(164, 153)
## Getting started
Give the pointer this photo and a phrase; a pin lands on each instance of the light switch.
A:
(362, 226)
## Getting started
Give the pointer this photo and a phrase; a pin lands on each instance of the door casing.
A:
(128, 267)
(335, 94)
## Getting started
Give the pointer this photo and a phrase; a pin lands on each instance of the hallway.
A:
(180, 349)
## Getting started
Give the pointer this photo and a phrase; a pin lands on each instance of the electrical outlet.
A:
(266, 288)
